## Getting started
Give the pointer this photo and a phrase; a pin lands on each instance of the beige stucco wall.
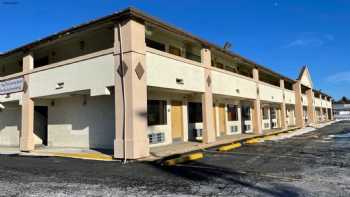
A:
(10, 124)
(289, 96)
(317, 102)
(163, 71)
(92, 74)
(270, 93)
(73, 124)
(232, 85)
(166, 129)
(13, 97)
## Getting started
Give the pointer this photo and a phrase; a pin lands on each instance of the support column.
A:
(299, 119)
(207, 100)
(257, 119)
(27, 126)
(283, 107)
(131, 141)
(321, 109)
(332, 115)
(310, 106)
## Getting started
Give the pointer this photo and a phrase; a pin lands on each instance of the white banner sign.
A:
(11, 86)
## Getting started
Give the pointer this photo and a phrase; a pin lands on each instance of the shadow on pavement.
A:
(199, 172)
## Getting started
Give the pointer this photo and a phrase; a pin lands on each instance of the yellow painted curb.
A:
(252, 141)
(269, 137)
(184, 158)
(229, 147)
(88, 156)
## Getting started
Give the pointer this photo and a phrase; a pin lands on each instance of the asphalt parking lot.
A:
(313, 164)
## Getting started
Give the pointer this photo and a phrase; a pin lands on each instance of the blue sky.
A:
(282, 35)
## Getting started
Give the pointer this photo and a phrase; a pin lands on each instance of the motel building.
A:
(128, 82)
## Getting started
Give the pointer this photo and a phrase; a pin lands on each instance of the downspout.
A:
(123, 88)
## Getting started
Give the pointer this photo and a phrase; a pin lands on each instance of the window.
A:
(41, 62)
(192, 56)
(231, 69)
(273, 114)
(246, 112)
(219, 65)
(232, 112)
(156, 45)
(265, 112)
(174, 50)
(156, 112)
(195, 112)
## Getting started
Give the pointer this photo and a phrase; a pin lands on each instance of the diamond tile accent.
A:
(122, 69)
(209, 81)
(139, 70)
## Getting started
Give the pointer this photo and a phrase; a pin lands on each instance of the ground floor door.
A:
(176, 121)
(40, 123)
(246, 119)
(222, 120)
(214, 117)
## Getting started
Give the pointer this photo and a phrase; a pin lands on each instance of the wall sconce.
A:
(179, 81)
(59, 85)
(53, 103)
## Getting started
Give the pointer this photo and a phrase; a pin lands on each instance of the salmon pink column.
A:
(310, 106)
(298, 105)
(207, 100)
(27, 126)
(283, 107)
(257, 127)
(131, 141)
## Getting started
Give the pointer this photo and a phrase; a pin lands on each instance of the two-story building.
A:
(129, 82)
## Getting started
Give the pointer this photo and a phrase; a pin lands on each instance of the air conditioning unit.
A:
(198, 132)
(247, 127)
(156, 138)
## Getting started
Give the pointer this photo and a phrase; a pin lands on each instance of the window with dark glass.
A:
(156, 112)
(265, 112)
(195, 112)
(174, 50)
(232, 112)
(156, 45)
(219, 65)
(41, 61)
(246, 112)
(273, 114)
(190, 55)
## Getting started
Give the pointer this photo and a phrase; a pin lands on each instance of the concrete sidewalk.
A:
(76, 153)
(187, 147)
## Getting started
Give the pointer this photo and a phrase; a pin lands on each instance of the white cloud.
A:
(305, 42)
(310, 39)
(339, 77)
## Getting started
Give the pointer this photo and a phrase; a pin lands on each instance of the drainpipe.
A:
(123, 88)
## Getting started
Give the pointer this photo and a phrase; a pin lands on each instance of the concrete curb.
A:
(233, 145)
(229, 147)
(84, 156)
(183, 159)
